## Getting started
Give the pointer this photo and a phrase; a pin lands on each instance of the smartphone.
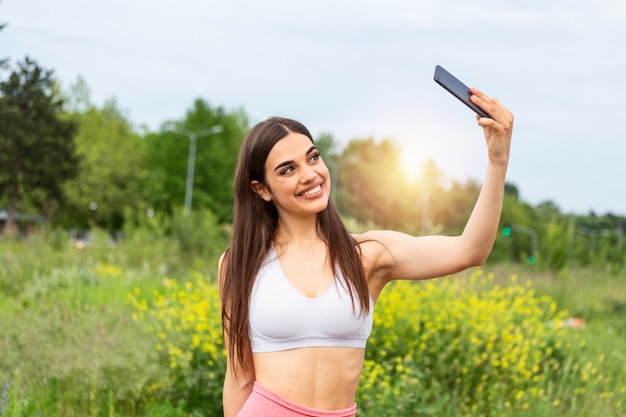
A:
(457, 89)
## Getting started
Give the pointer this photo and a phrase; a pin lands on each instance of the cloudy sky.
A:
(364, 68)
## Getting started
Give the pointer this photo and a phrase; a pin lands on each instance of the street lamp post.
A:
(191, 158)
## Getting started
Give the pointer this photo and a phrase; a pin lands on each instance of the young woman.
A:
(298, 291)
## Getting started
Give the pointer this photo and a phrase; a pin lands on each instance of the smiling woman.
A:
(298, 290)
(296, 177)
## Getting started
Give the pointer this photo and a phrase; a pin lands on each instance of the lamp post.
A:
(191, 159)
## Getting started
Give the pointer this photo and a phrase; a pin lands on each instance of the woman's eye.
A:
(286, 170)
(315, 157)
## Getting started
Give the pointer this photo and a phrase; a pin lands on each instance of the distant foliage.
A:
(112, 180)
(167, 153)
(37, 149)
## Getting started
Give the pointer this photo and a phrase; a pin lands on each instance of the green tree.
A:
(555, 235)
(554, 250)
(78, 97)
(113, 181)
(37, 150)
(598, 240)
(453, 206)
(428, 200)
(327, 145)
(372, 187)
(518, 246)
(215, 159)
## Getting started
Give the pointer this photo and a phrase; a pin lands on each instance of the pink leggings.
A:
(263, 402)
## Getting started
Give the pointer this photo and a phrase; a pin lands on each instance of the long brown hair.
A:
(254, 224)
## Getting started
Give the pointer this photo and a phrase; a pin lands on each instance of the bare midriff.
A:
(325, 378)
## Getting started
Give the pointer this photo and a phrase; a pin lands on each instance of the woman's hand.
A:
(497, 129)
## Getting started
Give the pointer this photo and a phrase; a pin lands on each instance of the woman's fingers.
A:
(498, 112)
(498, 128)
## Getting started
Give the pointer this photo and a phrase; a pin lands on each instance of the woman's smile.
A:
(315, 191)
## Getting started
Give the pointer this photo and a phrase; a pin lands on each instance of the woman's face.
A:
(296, 179)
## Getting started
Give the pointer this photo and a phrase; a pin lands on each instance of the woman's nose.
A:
(308, 174)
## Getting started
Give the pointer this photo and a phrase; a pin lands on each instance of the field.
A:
(132, 329)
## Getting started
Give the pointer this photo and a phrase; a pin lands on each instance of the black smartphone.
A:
(457, 89)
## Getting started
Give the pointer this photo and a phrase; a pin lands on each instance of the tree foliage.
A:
(37, 151)
(374, 189)
(371, 183)
(215, 162)
(88, 166)
(113, 182)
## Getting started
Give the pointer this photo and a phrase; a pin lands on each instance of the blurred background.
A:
(137, 87)
(120, 124)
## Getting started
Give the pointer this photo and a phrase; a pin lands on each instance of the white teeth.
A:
(312, 191)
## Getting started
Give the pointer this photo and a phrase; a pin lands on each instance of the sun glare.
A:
(411, 162)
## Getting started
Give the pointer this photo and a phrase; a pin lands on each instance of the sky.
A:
(360, 69)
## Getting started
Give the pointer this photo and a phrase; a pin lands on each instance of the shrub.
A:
(179, 241)
(185, 318)
(470, 347)
(456, 347)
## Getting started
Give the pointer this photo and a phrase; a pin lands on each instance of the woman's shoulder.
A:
(377, 236)
(380, 246)
(372, 242)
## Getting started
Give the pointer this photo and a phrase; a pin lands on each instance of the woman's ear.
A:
(260, 190)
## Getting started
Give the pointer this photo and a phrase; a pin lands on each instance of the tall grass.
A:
(69, 344)
(68, 339)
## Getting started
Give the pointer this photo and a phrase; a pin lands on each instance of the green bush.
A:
(178, 242)
(447, 347)
(185, 319)
(467, 347)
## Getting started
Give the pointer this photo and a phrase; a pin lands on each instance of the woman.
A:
(298, 291)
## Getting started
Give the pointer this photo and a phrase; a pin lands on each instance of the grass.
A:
(75, 344)
(68, 345)
(596, 296)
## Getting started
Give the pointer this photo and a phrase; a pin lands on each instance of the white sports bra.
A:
(282, 318)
